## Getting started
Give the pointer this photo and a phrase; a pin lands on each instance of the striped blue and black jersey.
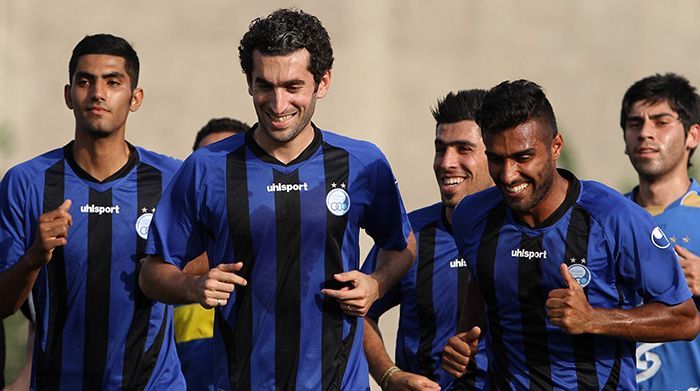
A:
(430, 296)
(95, 329)
(674, 365)
(613, 249)
(294, 226)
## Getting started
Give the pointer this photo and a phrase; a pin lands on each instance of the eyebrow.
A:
(288, 83)
(110, 75)
(653, 116)
(528, 151)
(456, 142)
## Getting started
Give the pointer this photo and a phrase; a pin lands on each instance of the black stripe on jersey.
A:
(97, 281)
(583, 344)
(238, 214)
(287, 305)
(139, 365)
(499, 375)
(334, 353)
(424, 300)
(48, 373)
(532, 313)
(614, 377)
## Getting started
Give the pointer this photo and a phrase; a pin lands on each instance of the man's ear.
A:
(66, 96)
(136, 99)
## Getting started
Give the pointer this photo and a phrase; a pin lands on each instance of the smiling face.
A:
(460, 162)
(101, 96)
(284, 95)
(522, 164)
(655, 140)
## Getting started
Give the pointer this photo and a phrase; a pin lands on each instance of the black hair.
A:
(512, 103)
(283, 32)
(464, 105)
(219, 125)
(672, 88)
(106, 44)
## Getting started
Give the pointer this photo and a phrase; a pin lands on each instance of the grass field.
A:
(15, 342)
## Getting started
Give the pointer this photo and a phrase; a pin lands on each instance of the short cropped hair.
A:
(106, 44)
(512, 103)
(462, 106)
(219, 125)
(283, 32)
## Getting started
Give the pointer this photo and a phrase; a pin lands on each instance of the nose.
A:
(98, 91)
(648, 129)
(449, 158)
(279, 101)
(509, 171)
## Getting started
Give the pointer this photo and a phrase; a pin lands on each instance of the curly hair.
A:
(283, 32)
(512, 103)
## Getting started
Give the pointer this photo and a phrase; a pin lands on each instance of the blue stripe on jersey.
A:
(235, 178)
(512, 259)
(674, 365)
(430, 300)
(85, 294)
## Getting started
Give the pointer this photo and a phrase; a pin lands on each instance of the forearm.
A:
(377, 357)
(164, 282)
(392, 265)
(16, 283)
(651, 322)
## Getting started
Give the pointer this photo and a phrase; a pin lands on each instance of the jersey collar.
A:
(122, 172)
(266, 157)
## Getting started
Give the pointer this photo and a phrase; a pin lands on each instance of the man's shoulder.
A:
(34, 168)
(475, 208)
(158, 160)
(601, 200)
(426, 215)
(364, 151)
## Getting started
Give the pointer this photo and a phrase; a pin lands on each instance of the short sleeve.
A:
(386, 220)
(391, 298)
(13, 240)
(647, 262)
(175, 232)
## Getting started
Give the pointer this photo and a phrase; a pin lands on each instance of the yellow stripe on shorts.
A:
(192, 322)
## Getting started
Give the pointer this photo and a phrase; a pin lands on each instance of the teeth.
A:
(281, 118)
(516, 189)
(452, 181)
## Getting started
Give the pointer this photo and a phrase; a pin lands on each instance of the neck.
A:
(662, 191)
(549, 204)
(285, 151)
(449, 212)
(100, 157)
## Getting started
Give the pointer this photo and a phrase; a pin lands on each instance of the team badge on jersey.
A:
(142, 224)
(658, 237)
(581, 274)
(338, 201)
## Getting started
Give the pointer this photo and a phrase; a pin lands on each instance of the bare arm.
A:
(18, 280)
(365, 289)
(165, 282)
(569, 309)
(379, 362)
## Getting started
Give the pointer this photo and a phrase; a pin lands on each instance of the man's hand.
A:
(690, 263)
(459, 351)
(410, 381)
(51, 232)
(214, 287)
(568, 308)
(357, 299)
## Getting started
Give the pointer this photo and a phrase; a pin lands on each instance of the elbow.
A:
(694, 328)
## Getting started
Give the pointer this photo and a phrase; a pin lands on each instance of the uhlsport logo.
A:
(100, 210)
(142, 225)
(459, 262)
(287, 187)
(338, 201)
(658, 237)
(520, 253)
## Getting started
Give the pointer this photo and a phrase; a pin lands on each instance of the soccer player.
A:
(659, 119)
(431, 293)
(278, 211)
(194, 324)
(73, 228)
(563, 265)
